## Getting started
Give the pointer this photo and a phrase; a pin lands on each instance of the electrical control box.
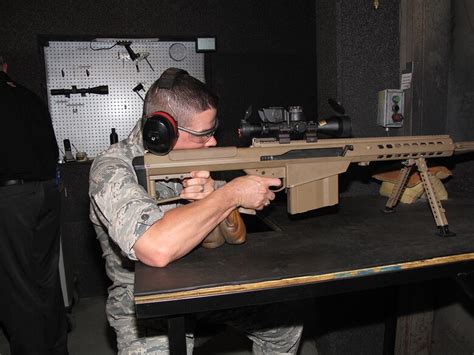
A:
(390, 108)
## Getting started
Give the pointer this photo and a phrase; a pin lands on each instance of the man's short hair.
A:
(186, 97)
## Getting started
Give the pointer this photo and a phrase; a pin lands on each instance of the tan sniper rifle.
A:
(309, 171)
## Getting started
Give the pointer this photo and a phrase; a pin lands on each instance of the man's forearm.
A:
(182, 228)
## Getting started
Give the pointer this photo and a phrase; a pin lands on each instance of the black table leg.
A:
(177, 335)
(391, 297)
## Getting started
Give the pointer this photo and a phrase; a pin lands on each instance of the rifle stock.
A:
(309, 171)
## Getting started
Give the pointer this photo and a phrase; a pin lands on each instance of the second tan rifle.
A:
(309, 171)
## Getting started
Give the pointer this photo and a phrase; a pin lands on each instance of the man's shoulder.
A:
(123, 151)
(20, 89)
(14, 89)
(116, 155)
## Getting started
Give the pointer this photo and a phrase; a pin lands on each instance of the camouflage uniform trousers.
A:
(273, 329)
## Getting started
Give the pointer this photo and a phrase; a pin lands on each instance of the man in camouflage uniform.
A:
(130, 226)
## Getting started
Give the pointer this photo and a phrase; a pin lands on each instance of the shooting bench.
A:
(328, 251)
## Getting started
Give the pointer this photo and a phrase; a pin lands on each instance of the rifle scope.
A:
(98, 90)
(277, 121)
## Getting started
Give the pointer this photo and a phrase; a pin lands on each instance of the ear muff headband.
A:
(169, 76)
(160, 133)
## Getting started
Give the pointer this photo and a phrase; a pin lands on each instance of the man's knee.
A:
(281, 340)
(153, 345)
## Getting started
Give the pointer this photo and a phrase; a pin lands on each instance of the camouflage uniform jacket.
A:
(119, 204)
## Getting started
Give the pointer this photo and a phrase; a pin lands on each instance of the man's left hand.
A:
(198, 186)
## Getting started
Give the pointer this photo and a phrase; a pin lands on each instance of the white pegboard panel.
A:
(87, 120)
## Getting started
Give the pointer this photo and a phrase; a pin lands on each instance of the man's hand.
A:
(253, 191)
(198, 186)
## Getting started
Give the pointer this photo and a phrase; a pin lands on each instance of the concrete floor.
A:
(91, 335)
(90, 332)
(452, 334)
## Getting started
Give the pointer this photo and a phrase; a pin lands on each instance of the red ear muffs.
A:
(160, 133)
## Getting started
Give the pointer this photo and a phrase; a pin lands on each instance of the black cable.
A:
(101, 49)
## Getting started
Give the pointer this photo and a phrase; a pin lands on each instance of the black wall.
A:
(266, 49)
(460, 100)
(358, 55)
(461, 72)
(266, 55)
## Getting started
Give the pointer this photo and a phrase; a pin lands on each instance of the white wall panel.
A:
(87, 120)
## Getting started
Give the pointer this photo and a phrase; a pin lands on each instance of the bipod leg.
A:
(398, 188)
(435, 204)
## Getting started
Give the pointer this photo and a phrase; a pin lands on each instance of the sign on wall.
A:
(99, 85)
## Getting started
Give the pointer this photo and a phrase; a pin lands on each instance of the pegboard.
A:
(87, 120)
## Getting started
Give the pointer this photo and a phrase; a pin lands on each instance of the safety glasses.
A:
(201, 136)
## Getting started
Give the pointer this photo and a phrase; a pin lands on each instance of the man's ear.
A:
(4, 67)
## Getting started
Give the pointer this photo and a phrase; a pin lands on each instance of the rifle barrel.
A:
(463, 147)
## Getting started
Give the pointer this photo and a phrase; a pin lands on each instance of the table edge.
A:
(300, 280)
